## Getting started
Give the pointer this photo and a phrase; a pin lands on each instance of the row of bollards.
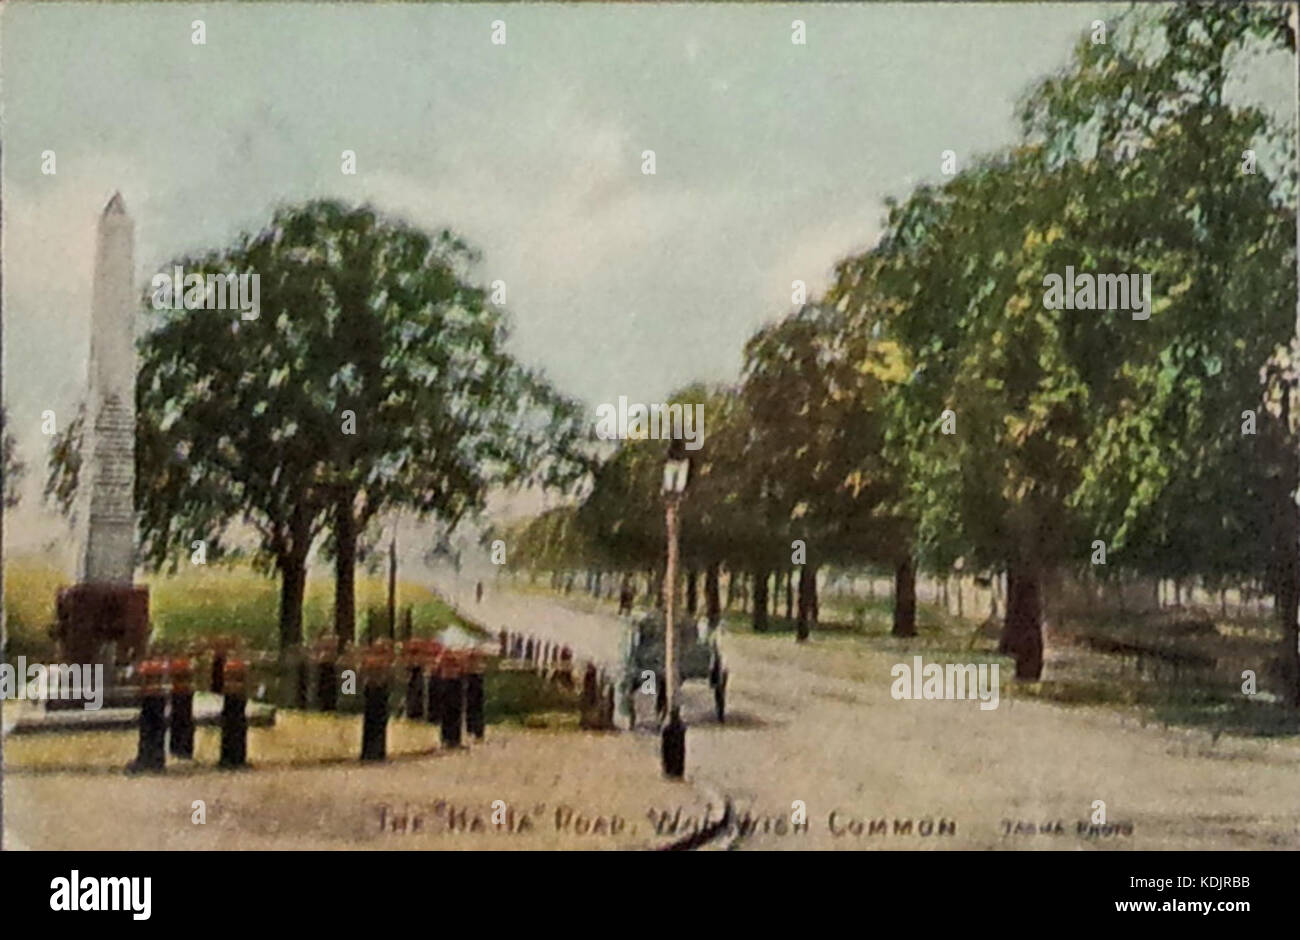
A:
(163, 728)
(555, 663)
(443, 686)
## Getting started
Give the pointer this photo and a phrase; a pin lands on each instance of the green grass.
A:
(525, 698)
(30, 590)
(204, 601)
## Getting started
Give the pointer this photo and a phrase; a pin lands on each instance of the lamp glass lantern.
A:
(676, 473)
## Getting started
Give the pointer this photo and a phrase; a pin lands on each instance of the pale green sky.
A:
(773, 159)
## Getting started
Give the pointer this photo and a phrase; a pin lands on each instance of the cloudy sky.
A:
(772, 159)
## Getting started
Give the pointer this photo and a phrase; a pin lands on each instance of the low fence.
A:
(420, 679)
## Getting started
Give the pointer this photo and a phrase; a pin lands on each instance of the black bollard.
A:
(151, 753)
(374, 729)
(587, 703)
(234, 719)
(474, 701)
(415, 693)
(674, 746)
(327, 686)
(565, 674)
(504, 640)
(528, 649)
(433, 696)
(607, 707)
(453, 704)
(180, 739)
(218, 672)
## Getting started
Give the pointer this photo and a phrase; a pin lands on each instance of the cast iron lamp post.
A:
(676, 471)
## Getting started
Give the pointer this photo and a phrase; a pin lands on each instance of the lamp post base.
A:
(674, 746)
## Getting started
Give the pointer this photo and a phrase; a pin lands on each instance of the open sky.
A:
(773, 159)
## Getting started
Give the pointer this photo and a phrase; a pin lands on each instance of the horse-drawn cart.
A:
(696, 653)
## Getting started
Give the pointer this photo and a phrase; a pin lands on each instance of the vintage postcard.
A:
(632, 426)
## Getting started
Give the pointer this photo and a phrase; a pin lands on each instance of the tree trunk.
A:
(692, 591)
(1022, 631)
(807, 601)
(712, 607)
(1286, 596)
(905, 598)
(789, 593)
(1287, 605)
(760, 601)
(345, 568)
(392, 589)
(293, 584)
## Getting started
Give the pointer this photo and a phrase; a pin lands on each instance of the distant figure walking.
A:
(478, 592)
(625, 595)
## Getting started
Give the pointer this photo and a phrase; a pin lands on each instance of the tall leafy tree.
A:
(428, 409)
(814, 388)
(1154, 109)
(373, 378)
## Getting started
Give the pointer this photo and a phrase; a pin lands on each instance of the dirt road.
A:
(817, 725)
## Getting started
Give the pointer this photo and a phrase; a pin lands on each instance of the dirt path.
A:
(813, 725)
(876, 772)
(556, 791)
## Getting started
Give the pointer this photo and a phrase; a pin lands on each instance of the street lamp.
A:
(677, 470)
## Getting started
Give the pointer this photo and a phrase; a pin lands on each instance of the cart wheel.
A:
(720, 698)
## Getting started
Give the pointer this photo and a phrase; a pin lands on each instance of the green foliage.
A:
(11, 468)
(375, 377)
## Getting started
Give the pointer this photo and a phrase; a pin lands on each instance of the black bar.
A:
(151, 754)
(374, 727)
(181, 737)
(234, 731)
(474, 704)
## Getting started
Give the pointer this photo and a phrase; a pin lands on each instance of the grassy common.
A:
(210, 600)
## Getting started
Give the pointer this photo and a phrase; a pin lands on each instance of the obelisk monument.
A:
(108, 549)
(105, 607)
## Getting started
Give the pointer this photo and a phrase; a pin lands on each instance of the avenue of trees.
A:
(930, 406)
(1172, 440)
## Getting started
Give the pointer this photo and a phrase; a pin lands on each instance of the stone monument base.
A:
(103, 623)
